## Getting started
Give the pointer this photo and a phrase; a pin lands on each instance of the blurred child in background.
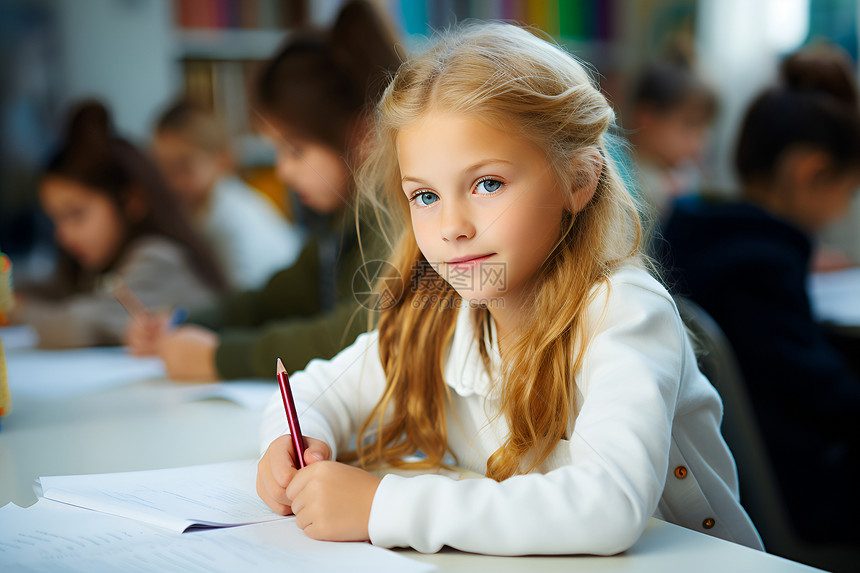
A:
(672, 110)
(248, 235)
(747, 264)
(115, 222)
(312, 101)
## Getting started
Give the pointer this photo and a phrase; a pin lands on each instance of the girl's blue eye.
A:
(426, 198)
(489, 186)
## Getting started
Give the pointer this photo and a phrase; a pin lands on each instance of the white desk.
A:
(150, 424)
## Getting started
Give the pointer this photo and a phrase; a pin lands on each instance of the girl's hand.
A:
(143, 336)
(332, 501)
(188, 353)
(276, 469)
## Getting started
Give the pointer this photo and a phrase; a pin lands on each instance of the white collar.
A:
(464, 369)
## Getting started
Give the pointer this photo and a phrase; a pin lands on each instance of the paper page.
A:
(50, 537)
(835, 297)
(214, 495)
(57, 374)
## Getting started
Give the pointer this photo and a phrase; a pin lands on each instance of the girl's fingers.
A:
(298, 505)
(297, 484)
(282, 470)
(274, 490)
(269, 490)
(316, 451)
(303, 520)
(265, 494)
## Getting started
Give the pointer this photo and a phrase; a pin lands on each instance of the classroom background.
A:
(138, 55)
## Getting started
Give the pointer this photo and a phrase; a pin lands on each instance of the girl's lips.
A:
(469, 261)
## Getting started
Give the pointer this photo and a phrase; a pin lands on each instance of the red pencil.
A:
(292, 415)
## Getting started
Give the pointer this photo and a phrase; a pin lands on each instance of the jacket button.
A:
(680, 472)
(709, 523)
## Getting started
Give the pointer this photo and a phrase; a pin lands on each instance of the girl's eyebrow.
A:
(474, 167)
(484, 162)
(414, 180)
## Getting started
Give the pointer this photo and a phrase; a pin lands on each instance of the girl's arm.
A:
(612, 470)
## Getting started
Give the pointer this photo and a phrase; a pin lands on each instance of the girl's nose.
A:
(456, 223)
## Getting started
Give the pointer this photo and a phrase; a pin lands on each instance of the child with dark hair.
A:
(313, 101)
(672, 109)
(115, 222)
(244, 229)
(747, 263)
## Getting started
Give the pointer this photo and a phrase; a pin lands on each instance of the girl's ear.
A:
(589, 167)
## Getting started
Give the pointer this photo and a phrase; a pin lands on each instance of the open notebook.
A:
(51, 536)
(178, 499)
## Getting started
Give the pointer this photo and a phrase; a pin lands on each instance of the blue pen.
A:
(180, 313)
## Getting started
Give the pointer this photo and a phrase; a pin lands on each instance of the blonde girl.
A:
(519, 336)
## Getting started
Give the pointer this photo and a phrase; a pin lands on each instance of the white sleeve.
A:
(333, 397)
(600, 499)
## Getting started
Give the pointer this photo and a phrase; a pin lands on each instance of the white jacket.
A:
(645, 410)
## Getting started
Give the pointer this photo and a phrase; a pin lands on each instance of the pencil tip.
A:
(279, 368)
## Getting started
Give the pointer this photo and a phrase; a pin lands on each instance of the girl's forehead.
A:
(452, 131)
(441, 125)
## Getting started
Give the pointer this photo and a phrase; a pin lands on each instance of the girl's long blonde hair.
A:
(532, 89)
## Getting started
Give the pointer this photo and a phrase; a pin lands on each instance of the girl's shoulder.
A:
(633, 281)
(632, 317)
(630, 294)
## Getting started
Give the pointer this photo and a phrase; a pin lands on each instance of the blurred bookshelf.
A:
(220, 48)
(240, 14)
(614, 36)
(221, 44)
(228, 44)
